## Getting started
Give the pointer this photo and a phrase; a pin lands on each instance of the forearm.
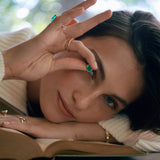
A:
(40, 127)
(89, 131)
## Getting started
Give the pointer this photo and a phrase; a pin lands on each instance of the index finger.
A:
(80, 48)
(82, 27)
(76, 11)
(85, 4)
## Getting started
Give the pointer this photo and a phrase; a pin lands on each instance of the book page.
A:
(44, 143)
(16, 145)
(11, 130)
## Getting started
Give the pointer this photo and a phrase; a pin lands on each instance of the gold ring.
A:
(69, 43)
(107, 136)
(22, 119)
(4, 112)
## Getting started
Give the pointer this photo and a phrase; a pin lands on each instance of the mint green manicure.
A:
(53, 18)
(89, 69)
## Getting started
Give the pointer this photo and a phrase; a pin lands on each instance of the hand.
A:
(42, 128)
(33, 59)
(36, 127)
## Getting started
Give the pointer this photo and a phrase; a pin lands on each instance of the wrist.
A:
(109, 138)
(89, 131)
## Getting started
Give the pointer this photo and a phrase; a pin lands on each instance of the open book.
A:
(16, 145)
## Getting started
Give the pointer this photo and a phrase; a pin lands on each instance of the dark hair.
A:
(142, 31)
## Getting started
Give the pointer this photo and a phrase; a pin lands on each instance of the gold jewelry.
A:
(107, 136)
(69, 43)
(4, 112)
(22, 119)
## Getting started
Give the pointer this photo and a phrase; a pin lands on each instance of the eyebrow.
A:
(102, 75)
(121, 100)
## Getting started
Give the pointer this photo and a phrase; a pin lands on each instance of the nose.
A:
(85, 99)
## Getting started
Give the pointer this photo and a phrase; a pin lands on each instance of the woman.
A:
(72, 100)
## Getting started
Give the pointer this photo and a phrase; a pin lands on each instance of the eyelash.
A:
(92, 74)
(114, 106)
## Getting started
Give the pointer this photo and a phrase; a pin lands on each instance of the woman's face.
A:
(72, 95)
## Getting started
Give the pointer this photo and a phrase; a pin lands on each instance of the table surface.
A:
(150, 156)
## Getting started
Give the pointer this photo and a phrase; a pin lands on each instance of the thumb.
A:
(68, 64)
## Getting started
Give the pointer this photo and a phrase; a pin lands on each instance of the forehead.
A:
(122, 70)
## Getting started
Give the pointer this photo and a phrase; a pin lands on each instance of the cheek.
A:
(64, 81)
(104, 112)
(96, 115)
(56, 79)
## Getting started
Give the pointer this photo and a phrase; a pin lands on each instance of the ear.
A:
(72, 22)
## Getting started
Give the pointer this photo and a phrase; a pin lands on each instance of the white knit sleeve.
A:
(8, 39)
(119, 128)
(2, 68)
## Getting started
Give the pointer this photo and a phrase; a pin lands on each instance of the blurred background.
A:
(17, 14)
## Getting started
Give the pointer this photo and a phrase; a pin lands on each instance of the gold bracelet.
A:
(107, 137)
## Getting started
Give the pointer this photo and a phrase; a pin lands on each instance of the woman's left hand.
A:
(41, 128)
(36, 127)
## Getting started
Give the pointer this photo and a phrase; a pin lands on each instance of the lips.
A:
(64, 107)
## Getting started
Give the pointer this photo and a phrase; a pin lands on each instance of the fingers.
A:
(72, 22)
(86, 4)
(80, 48)
(65, 63)
(30, 126)
(68, 64)
(13, 122)
(37, 127)
(67, 16)
(78, 29)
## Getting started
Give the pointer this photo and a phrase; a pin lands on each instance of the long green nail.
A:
(89, 69)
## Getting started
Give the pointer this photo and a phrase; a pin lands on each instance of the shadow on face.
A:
(72, 95)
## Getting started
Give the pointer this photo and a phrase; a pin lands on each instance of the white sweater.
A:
(14, 91)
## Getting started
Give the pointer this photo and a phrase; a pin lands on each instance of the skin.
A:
(24, 60)
(33, 60)
(84, 93)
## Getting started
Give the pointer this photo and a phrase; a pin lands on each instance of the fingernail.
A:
(53, 18)
(6, 123)
(95, 64)
(88, 67)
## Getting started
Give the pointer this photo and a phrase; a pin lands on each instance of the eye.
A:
(111, 102)
(92, 74)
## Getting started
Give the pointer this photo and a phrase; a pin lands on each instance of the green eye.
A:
(111, 103)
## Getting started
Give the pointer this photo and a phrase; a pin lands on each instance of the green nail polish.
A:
(89, 69)
(52, 19)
